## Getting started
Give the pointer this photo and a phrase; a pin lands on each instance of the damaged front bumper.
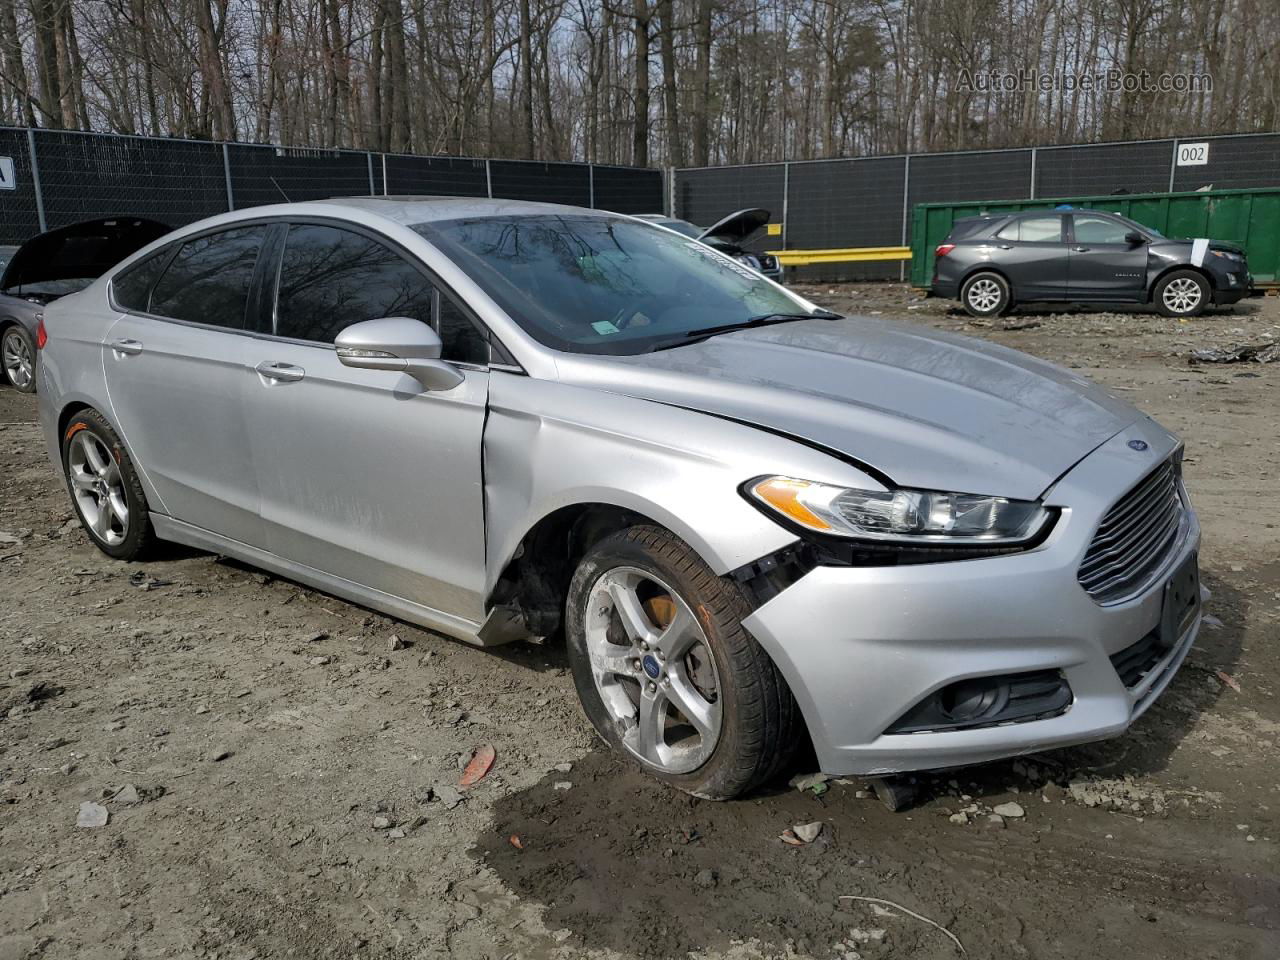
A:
(864, 649)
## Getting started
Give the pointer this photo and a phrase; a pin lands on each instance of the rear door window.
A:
(209, 279)
(1034, 230)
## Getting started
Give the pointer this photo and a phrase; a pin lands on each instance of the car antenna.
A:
(281, 189)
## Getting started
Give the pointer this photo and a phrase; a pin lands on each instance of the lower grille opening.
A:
(987, 702)
(1134, 662)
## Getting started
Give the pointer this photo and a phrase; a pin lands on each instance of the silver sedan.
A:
(754, 522)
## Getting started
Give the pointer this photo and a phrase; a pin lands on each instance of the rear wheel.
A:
(105, 489)
(667, 674)
(18, 355)
(986, 294)
(1183, 293)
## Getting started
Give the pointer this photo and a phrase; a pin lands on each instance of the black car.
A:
(728, 235)
(991, 263)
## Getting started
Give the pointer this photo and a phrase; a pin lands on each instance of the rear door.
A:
(363, 474)
(1104, 265)
(175, 372)
(1032, 252)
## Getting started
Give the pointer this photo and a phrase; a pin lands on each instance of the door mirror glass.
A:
(401, 344)
(1134, 238)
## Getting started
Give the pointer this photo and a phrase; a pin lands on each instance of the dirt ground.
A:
(281, 782)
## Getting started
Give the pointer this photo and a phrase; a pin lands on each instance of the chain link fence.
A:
(835, 204)
(51, 178)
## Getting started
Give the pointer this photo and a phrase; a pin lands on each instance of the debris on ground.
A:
(1010, 809)
(481, 762)
(1241, 353)
(448, 796)
(394, 643)
(92, 815)
(145, 581)
(221, 753)
(807, 832)
(515, 841)
(1020, 325)
(877, 901)
(1229, 680)
(706, 879)
(809, 781)
(562, 785)
(127, 794)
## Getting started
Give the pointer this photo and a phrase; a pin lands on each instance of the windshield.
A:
(604, 284)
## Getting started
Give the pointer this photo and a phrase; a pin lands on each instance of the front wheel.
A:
(986, 294)
(666, 672)
(1183, 293)
(18, 352)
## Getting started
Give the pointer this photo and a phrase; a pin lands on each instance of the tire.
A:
(750, 724)
(1183, 293)
(105, 489)
(18, 354)
(986, 294)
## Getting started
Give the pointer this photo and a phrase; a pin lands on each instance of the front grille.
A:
(1137, 660)
(1134, 539)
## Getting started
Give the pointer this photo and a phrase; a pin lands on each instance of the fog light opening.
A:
(988, 701)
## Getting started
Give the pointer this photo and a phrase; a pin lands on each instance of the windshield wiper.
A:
(764, 320)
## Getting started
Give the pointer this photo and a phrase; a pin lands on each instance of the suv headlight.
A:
(1227, 255)
(899, 516)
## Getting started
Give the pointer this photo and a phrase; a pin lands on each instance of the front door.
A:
(1032, 251)
(175, 367)
(1104, 265)
(363, 474)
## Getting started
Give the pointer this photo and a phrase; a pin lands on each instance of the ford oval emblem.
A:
(1137, 444)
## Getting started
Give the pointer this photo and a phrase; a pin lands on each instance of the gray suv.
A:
(991, 263)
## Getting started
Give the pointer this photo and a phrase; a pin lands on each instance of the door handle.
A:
(1080, 249)
(280, 372)
(1006, 246)
(129, 348)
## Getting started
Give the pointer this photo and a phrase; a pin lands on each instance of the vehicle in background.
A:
(52, 265)
(6, 254)
(753, 521)
(992, 263)
(728, 235)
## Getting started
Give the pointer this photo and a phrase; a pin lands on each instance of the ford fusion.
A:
(755, 523)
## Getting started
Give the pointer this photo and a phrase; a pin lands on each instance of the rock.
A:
(381, 823)
(960, 818)
(995, 821)
(1052, 793)
(202, 708)
(1009, 810)
(395, 643)
(396, 834)
(92, 815)
(317, 637)
(221, 753)
(113, 726)
(241, 693)
(319, 661)
(808, 832)
(562, 785)
(706, 879)
(127, 794)
(448, 795)
(562, 767)
(312, 872)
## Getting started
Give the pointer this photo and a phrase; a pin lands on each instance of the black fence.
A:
(50, 178)
(835, 204)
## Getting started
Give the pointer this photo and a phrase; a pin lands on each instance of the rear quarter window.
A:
(131, 288)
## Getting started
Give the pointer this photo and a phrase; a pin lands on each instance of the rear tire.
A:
(1183, 293)
(105, 489)
(734, 722)
(986, 294)
(18, 351)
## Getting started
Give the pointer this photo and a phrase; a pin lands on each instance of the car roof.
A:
(425, 209)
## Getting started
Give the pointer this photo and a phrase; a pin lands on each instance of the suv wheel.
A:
(986, 295)
(1183, 293)
(105, 488)
(18, 354)
(665, 671)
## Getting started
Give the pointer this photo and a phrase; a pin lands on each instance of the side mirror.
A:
(1134, 238)
(401, 344)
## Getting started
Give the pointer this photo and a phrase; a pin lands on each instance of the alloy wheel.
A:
(19, 365)
(653, 670)
(984, 294)
(98, 487)
(1182, 295)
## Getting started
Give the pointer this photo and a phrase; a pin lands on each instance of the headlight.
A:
(1226, 255)
(900, 516)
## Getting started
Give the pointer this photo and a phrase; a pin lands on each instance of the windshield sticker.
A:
(604, 327)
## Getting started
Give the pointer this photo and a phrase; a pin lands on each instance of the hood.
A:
(82, 251)
(736, 227)
(928, 409)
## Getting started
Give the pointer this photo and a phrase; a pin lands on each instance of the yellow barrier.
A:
(803, 258)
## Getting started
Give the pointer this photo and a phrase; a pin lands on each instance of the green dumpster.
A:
(1250, 218)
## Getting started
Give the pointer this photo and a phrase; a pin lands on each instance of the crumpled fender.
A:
(549, 445)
